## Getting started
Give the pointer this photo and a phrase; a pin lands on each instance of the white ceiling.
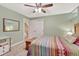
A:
(58, 8)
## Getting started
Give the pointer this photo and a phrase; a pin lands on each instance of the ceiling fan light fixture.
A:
(39, 7)
(38, 10)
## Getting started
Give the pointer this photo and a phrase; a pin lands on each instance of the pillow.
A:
(76, 41)
(70, 38)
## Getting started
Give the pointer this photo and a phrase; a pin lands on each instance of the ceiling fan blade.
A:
(43, 10)
(29, 5)
(47, 5)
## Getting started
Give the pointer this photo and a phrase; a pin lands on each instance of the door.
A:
(36, 28)
(25, 28)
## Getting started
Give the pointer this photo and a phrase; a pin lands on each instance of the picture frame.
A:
(10, 25)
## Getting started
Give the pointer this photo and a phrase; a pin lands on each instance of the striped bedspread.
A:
(52, 46)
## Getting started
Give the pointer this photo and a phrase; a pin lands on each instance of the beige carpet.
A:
(17, 51)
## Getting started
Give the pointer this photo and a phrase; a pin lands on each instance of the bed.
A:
(52, 46)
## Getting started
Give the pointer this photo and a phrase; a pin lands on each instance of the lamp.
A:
(69, 33)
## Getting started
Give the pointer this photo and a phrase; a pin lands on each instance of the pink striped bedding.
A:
(49, 46)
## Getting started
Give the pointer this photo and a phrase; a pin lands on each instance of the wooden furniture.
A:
(28, 42)
(76, 28)
(5, 45)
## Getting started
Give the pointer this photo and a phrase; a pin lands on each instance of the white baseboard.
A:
(17, 43)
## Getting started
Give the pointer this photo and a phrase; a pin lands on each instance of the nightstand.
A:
(28, 42)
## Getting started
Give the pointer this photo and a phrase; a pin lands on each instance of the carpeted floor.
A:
(17, 50)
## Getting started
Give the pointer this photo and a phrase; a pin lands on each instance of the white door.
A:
(25, 28)
(36, 28)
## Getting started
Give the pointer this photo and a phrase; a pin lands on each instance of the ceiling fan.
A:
(39, 7)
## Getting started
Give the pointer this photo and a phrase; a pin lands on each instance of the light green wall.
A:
(16, 36)
(53, 23)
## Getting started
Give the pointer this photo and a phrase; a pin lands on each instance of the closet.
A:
(36, 28)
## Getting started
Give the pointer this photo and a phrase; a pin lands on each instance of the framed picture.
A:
(10, 25)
